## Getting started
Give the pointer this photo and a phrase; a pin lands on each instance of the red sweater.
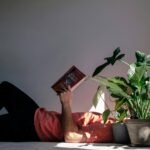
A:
(48, 126)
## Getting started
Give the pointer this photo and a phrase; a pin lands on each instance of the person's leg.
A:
(20, 109)
(14, 100)
(6, 131)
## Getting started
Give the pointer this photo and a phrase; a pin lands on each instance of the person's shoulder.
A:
(42, 110)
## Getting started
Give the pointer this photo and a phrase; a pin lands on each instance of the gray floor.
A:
(64, 146)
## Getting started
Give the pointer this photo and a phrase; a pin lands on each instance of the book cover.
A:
(73, 77)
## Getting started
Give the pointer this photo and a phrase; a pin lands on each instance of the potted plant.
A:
(132, 91)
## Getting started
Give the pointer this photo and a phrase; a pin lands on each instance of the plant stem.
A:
(125, 62)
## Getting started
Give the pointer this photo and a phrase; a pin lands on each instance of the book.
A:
(73, 78)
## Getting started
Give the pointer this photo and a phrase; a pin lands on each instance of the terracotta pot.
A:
(139, 132)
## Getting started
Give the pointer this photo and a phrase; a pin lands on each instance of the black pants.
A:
(18, 124)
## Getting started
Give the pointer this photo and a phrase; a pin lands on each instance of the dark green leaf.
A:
(110, 60)
(105, 115)
(100, 68)
(116, 51)
(140, 56)
(120, 56)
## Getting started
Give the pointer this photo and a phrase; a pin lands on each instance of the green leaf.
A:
(117, 90)
(135, 73)
(140, 56)
(147, 59)
(101, 80)
(118, 80)
(120, 57)
(113, 87)
(105, 115)
(121, 114)
(119, 103)
(121, 84)
(116, 51)
(99, 69)
(110, 60)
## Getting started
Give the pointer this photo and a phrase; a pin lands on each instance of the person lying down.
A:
(26, 121)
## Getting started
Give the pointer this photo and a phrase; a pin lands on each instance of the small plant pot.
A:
(139, 132)
(120, 133)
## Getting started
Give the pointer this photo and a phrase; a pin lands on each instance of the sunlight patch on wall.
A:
(100, 106)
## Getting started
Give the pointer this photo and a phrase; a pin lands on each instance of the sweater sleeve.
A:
(47, 125)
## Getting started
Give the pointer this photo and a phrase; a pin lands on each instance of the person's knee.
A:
(6, 84)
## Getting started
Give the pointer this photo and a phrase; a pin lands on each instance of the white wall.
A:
(41, 39)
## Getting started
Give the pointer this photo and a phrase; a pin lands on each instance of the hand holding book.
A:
(73, 77)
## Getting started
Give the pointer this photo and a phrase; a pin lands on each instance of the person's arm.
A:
(71, 132)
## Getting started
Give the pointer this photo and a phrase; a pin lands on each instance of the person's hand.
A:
(66, 96)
